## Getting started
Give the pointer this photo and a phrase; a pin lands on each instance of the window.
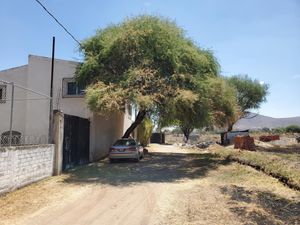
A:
(2, 94)
(125, 142)
(71, 88)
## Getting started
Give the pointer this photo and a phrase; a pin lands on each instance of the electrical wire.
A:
(59, 23)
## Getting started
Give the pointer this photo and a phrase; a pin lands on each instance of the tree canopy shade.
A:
(250, 94)
(145, 60)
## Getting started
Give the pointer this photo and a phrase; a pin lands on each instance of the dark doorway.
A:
(76, 141)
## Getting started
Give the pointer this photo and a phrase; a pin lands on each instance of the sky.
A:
(254, 37)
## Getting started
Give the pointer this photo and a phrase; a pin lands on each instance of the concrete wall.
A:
(17, 75)
(104, 131)
(23, 165)
(31, 117)
(39, 79)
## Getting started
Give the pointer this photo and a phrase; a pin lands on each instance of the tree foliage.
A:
(250, 94)
(146, 60)
(144, 131)
(292, 129)
(213, 103)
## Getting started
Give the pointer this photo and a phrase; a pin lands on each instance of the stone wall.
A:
(22, 165)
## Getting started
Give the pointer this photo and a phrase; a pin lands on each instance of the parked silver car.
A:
(126, 148)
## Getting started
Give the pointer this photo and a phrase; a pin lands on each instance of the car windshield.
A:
(125, 142)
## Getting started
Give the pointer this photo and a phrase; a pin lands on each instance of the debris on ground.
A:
(202, 145)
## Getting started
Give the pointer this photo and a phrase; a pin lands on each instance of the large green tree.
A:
(213, 103)
(145, 60)
(250, 95)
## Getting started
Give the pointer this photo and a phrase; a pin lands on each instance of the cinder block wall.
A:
(22, 165)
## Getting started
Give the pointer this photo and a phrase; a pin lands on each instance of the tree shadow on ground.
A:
(268, 207)
(158, 167)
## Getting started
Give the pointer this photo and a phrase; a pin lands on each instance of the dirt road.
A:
(170, 186)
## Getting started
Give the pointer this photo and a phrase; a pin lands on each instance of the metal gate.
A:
(76, 141)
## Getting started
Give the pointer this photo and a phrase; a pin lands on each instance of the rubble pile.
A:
(202, 145)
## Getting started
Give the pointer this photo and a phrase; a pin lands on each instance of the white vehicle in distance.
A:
(126, 148)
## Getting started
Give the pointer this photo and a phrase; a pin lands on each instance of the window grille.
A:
(2, 94)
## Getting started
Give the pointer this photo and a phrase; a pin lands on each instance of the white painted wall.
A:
(39, 71)
(31, 117)
(104, 132)
(17, 75)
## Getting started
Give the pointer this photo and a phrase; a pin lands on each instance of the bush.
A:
(266, 129)
(292, 129)
(144, 131)
(279, 130)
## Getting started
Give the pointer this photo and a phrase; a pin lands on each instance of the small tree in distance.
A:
(250, 94)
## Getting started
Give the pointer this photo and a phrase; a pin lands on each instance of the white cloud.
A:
(261, 82)
(296, 76)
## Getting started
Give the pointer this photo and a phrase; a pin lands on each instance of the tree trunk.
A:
(186, 132)
(230, 127)
(187, 136)
(138, 120)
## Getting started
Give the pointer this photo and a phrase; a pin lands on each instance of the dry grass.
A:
(285, 168)
(231, 194)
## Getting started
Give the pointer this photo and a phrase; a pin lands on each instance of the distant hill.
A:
(261, 121)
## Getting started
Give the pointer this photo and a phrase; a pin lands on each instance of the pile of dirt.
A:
(283, 142)
(261, 144)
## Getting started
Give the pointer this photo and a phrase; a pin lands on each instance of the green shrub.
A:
(292, 129)
(279, 130)
(266, 129)
(144, 131)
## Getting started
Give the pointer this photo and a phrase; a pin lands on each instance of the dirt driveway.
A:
(169, 186)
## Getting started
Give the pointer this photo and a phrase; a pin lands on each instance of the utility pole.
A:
(50, 138)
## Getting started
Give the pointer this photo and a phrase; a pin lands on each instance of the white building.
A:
(31, 111)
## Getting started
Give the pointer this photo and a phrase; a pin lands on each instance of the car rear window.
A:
(125, 143)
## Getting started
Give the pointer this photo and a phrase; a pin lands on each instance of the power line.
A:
(59, 23)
